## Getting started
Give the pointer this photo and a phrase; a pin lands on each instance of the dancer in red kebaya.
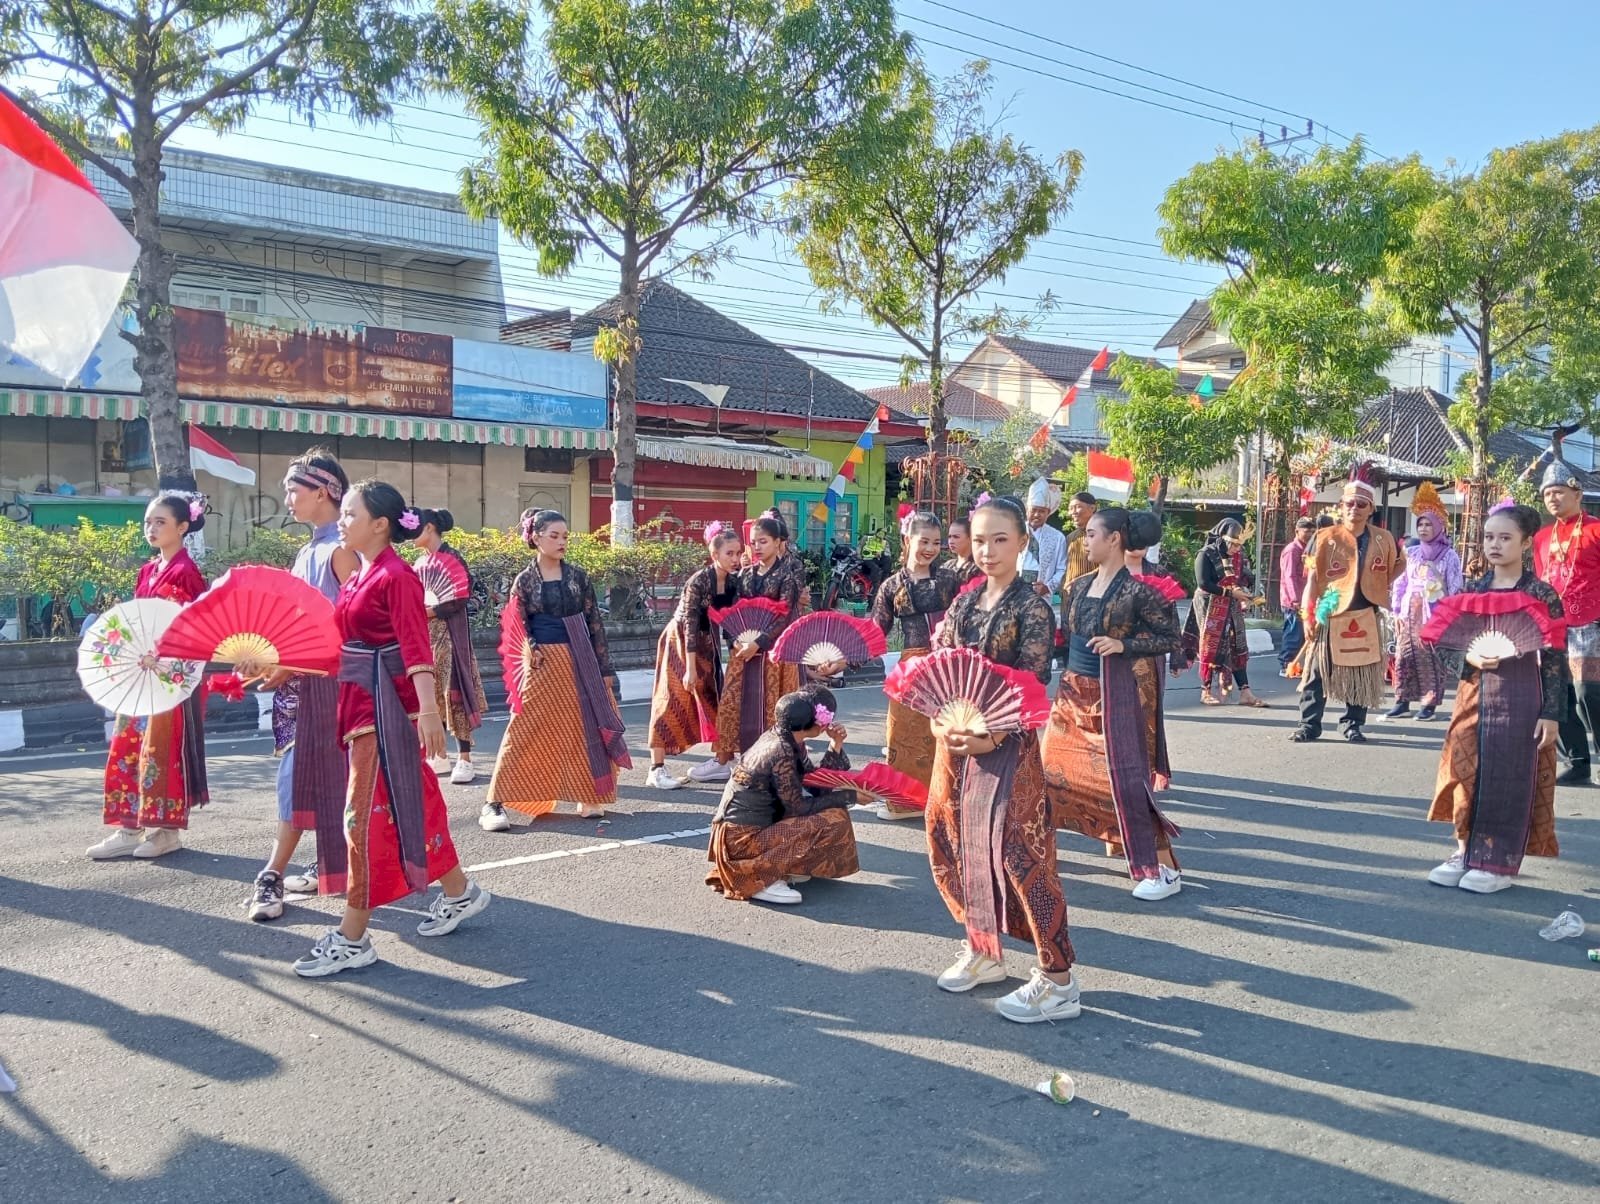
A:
(398, 834)
(156, 769)
(1567, 555)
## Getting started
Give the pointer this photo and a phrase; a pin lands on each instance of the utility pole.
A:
(1285, 138)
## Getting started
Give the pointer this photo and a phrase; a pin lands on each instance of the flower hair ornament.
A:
(824, 716)
(714, 529)
(1504, 504)
(197, 507)
(978, 502)
(410, 519)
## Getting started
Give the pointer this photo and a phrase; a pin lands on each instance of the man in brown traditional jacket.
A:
(1344, 653)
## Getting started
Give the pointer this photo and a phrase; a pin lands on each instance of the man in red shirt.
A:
(1567, 555)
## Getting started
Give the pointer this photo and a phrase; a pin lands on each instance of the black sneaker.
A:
(268, 901)
(1426, 713)
(1575, 775)
(1304, 735)
(1355, 735)
(1398, 710)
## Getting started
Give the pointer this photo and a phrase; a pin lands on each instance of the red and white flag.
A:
(1109, 477)
(208, 455)
(64, 257)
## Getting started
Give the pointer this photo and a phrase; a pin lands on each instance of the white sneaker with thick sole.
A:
(493, 818)
(660, 778)
(120, 843)
(267, 901)
(1449, 873)
(335, 952)
(970, 970)
(1481, 882)
(1169, 882)
(159, 843)
(445, 915)
(439, 765)
(710, 771)
(464, 774)
(888, 811)
(1040, 999)
(778, 892)
(303, 883)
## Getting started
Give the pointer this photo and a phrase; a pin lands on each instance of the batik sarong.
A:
(908, 735)
(681, 718)
(746, 859)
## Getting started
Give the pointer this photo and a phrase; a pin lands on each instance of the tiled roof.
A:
(1195, 319)
(1064, 364)
(1414, 421)
(686, 340)
(959, 401)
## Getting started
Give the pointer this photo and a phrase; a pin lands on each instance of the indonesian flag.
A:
(1109, 477)
(207, 455)
(64, 257)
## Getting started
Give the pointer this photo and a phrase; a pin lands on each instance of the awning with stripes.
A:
(217, 414)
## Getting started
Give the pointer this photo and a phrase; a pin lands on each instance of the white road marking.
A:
(587, 849)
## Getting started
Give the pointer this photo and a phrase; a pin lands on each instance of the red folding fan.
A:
(824, 636)
(1503, 623)
(965, 690)
(1167, 587)
(748, 619)
(971, 584)
(260, 614)
(513, 646)
(875, 780)
(443, 577)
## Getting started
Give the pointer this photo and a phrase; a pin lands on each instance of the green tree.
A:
(1162, 430)
(1303, 243)
(1509, 257)
(1003, 460)
(616, 127)
(113, 83)
(914, 241)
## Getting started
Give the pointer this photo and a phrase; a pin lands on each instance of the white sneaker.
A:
(303, 883)
(1449, 873)
(660, 779)
(335, 952)
(493, 818)
(439, 765)
(120, 843)
(797, 879)
(1481, 882)
(710, 771)
(969, 971)
(778, 892)
(888, 811)
(586, 811)
(463, 774)
(1040, 999)
(159, 843)
(1169, 882)
(445, 914)
(267, 901)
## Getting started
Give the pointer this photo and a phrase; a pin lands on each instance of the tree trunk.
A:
(625, 444)
(155, 351)
(1160, 507)
(1477, 496)
(938, 429)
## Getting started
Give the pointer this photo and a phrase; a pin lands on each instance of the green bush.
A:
(74, 570)
(273, 546)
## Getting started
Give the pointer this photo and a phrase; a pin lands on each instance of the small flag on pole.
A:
(208, 455)
(847, 470)
(1109, 477)
(1205, 388)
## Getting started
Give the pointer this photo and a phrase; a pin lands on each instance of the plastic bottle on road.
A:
(1568, 923)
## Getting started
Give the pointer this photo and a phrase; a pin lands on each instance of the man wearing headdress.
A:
(1044, 562)
(1566, 554)
(1353, 568)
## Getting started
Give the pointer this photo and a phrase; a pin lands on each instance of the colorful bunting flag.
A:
(847, 470)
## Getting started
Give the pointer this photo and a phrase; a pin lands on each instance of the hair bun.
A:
(1144, 530)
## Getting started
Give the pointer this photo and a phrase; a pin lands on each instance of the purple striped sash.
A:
(1509, 700)
(1128, 762)
(193, 752)
(320, 776)
(602, 726)
(985, 796)
(399, 756)
(462, 664)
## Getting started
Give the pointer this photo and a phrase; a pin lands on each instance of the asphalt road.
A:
(1308, 1020)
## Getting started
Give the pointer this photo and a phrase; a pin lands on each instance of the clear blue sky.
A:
(1449, 80)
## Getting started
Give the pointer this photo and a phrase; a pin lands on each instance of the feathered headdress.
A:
(1360, 483)
(1427, 501)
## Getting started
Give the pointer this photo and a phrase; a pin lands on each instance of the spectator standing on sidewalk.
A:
(1291, 589)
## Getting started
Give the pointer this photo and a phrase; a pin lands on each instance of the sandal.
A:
(1210, 699)
(1259, 704)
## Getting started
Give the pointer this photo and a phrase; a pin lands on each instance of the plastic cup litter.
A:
(1568, 923)
(1059, 1088)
